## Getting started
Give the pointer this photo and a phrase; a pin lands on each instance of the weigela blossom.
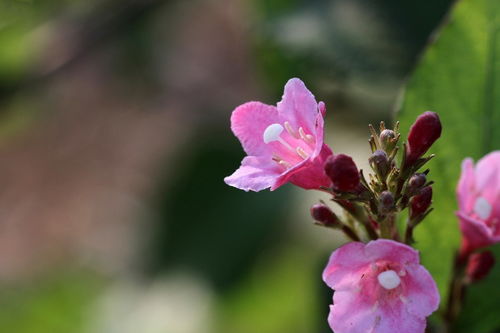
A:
(284, 143)
(380, 287)
(478, 193)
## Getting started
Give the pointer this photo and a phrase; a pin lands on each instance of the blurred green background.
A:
(115, 139)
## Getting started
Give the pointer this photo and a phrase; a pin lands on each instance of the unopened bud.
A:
(479, 265)
(423, 133)
(388, 140)
(343, 172)
(324, 215)
(380, 163)
(421, 202)
(416, 182)
(386, 202)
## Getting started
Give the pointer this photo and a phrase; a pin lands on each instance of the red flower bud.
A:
(421, 202)
(479, 265)
(423, 133)
(343, 172)
(324, 215)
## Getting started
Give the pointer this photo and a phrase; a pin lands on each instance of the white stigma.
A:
(482, 208)
(272, 133)
(389, 279)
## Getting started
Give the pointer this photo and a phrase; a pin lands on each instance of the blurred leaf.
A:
(458, 78)
(15, 52)
(278, 296)
(55, 304)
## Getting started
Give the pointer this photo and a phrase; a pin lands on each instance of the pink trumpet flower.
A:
(380, 287)
(283, 143)
(478, 193)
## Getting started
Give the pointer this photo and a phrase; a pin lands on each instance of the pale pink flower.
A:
(380, 287)
(478, 193)
(284, 143)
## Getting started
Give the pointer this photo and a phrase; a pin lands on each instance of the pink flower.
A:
(478, 193)
(380, 287)
(283, 143)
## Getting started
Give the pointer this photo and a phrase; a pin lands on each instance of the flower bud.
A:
(415, 183)
(386, 202)
(423, 133)
(343, 172)
(380, 163)
(420, 202)
(324, 215)
(417, 180)
(479, 265)
(388, 140)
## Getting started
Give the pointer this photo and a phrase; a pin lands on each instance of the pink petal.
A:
(345, 266)
(465, 188)
(476, 233)
(248, 122)
(299, 106)
(254, 174)
(319, 135)
(488, 177)
(349, 314)
(391, 250)
(396, 319)
(309, 174)
(421, 295)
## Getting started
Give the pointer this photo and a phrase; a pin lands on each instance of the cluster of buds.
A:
(375, 203)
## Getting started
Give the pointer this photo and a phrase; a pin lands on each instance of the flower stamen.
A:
(482, 208)
(308, 138)
(290, 130)
(272, 133)
(389, 279)
(301, 152)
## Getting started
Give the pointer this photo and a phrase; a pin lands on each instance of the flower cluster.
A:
(379, 283)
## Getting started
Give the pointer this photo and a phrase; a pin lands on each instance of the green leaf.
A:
(458, 77)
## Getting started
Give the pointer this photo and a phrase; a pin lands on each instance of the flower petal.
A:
(391, 250)
(319, 135)
(298, 106)
(421, 295)
(476, 233)
(254, 174)
(488, 177)
(350, 314)
(345, 266)
(465, 187)
(248, 123)
(397, 319)
(309, 174)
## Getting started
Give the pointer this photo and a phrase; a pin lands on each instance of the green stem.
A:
(358, 212)
(350, 233)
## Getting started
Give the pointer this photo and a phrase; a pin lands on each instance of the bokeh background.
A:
(115, 139)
